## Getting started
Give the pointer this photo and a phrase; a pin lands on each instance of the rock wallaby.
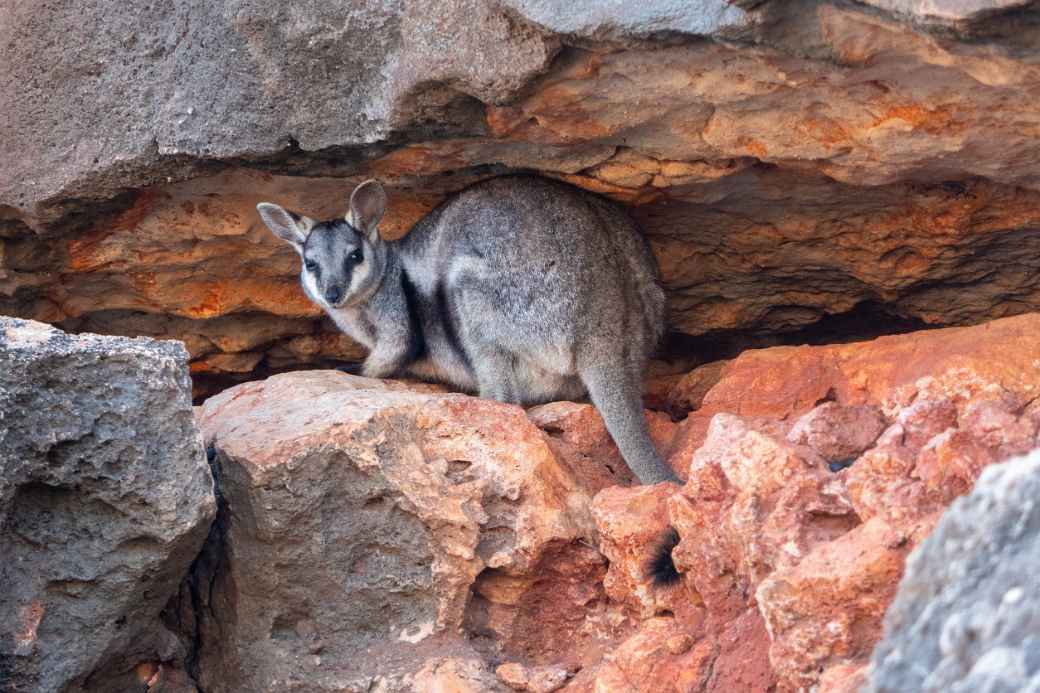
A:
(519, 288)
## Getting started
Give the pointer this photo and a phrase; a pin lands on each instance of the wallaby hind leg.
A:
(617, 395)
(495, 370)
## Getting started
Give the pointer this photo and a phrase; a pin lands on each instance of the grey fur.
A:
(519, 288)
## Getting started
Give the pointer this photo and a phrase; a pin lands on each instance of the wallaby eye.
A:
(356, 256)
(311, 265)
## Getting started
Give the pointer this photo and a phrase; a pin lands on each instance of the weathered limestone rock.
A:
(358, 517)
(791, 162)
(105, 500)
(966, 616)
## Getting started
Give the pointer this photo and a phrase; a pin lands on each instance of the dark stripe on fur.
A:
(416, 338)
(661, 567)
(446, 309)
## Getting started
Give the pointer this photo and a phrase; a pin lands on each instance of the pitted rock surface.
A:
(105, 500)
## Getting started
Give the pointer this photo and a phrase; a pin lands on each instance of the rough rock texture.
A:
(357, 518)
(808, 168)
(105, 500)
(532, 679)
(788, 556)
(384, 535)
(791, 161)
(966, 616)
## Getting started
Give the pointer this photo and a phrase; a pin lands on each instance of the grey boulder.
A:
(105, 500)
(967, 615)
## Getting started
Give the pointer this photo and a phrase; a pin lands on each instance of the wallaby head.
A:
(342, 260)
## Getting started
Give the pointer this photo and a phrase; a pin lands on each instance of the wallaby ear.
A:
(367, 204)
(291, 228)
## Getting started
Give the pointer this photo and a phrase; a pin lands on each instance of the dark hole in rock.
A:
(458, 471)
(839, 465)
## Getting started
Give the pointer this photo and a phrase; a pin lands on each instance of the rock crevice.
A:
(788, 161)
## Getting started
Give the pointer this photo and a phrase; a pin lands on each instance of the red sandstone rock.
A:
(688, 392)
(843, 678)
(787, 537)
(770, 535)
(631, 523)
(743, 662)
(555, 614)
(828, 607)
(581, 442)
(837, 433)
(661, 657)
(786, 567)
(367, 510)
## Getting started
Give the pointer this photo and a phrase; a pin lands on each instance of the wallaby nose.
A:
(333, 294)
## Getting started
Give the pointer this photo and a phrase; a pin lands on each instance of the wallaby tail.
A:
(617, 394)
(661, 567)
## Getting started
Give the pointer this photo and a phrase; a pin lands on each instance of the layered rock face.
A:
(790, 161)
(105, 500)
(380, 535)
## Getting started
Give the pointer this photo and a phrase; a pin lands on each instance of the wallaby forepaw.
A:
(376, 370)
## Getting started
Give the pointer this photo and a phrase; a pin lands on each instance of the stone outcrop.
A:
(105, 500)
(792, 162)
(390, 535)
(814, 171)
(966, 617)
(358, 516)
(813, 472)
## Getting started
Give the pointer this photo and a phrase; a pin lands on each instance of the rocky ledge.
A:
(382, 536)
(797, 165)
(808, 172)
(357, 535)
